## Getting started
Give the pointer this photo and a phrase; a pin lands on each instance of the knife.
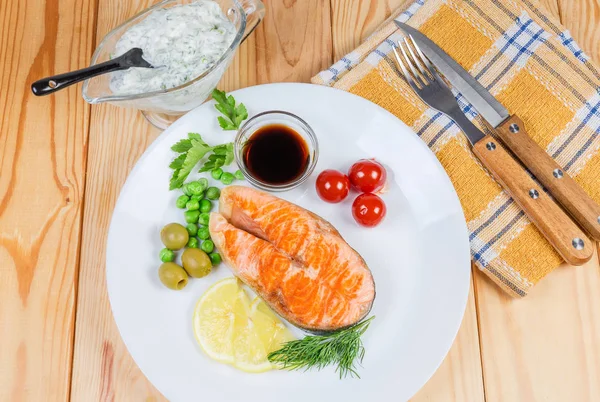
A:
(511, 131)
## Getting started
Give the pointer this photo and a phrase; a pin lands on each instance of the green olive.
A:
(174, 236)
(172, 276)
(196, 262)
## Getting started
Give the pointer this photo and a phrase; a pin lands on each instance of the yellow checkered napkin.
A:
(533, 66)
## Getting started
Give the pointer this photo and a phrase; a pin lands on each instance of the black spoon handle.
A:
(48, 85)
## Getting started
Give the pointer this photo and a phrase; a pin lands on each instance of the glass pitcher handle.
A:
(255, 12)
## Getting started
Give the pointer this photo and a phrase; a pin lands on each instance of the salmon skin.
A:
(295, 260)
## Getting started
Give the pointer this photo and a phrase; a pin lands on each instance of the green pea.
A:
(197, 197)
(192, 243)
(203, 181)
(207, 246)
(213, 193)
(166, 255)
(192, 229)
(191, 216)
(192, 205)
(203, 233)
(239, 175)
(204, 218)
(205, 205)
(227, 178)
(215, 258)
(186, 189)
(195, 188)
(216, 173)
(181, 201)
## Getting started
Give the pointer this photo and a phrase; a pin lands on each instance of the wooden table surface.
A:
(62, 165)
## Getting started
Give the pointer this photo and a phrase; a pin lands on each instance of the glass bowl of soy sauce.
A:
(276, 150)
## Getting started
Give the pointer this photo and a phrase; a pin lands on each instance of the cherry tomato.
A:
(332, 185)
(368, 210)
(367, 176)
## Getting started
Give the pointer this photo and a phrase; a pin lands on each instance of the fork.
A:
(558, 228)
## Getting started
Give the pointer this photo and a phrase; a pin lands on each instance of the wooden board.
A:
(544, 347)
(42, 168)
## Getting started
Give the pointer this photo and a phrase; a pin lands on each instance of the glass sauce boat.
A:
(162, 107)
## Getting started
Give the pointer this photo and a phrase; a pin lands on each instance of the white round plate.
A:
(419, 256)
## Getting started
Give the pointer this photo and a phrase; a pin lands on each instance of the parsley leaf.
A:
(191, 151)
(182, 146)
(178, 162)
(233, 115)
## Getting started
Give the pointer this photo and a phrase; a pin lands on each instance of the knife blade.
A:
(511, 130)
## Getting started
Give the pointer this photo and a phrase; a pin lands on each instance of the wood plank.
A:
(545, 347)
(459, 378)
(43, 145)
(582, 18)
(102, 368)
(353, 21)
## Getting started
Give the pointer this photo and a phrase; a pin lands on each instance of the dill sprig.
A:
(343, 349)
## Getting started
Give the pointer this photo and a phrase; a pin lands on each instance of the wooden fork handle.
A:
(552, 176)
(558, 228)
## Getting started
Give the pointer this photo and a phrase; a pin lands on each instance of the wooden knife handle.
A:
(552, 176)
(566, 237)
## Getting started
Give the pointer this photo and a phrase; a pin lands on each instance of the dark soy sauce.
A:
(276, 154)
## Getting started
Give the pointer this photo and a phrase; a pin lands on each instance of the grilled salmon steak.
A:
(295, 260)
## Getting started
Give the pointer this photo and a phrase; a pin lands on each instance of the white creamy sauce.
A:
(182, 42)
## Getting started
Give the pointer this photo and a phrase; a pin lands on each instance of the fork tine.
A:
(424, 58)
(407, 75)
(423, 68)
(411, 63)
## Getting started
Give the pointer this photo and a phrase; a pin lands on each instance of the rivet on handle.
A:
(514, 128)
(557, 173)
(52, 84)
(599, 219)
(578, 244)
(533, 193)
(490, 146)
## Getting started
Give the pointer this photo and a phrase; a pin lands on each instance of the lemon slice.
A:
(269, 328)
(249, 351)
(233, 331)
(215, 316)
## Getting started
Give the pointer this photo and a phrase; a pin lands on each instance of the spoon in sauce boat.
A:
(131, 58)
